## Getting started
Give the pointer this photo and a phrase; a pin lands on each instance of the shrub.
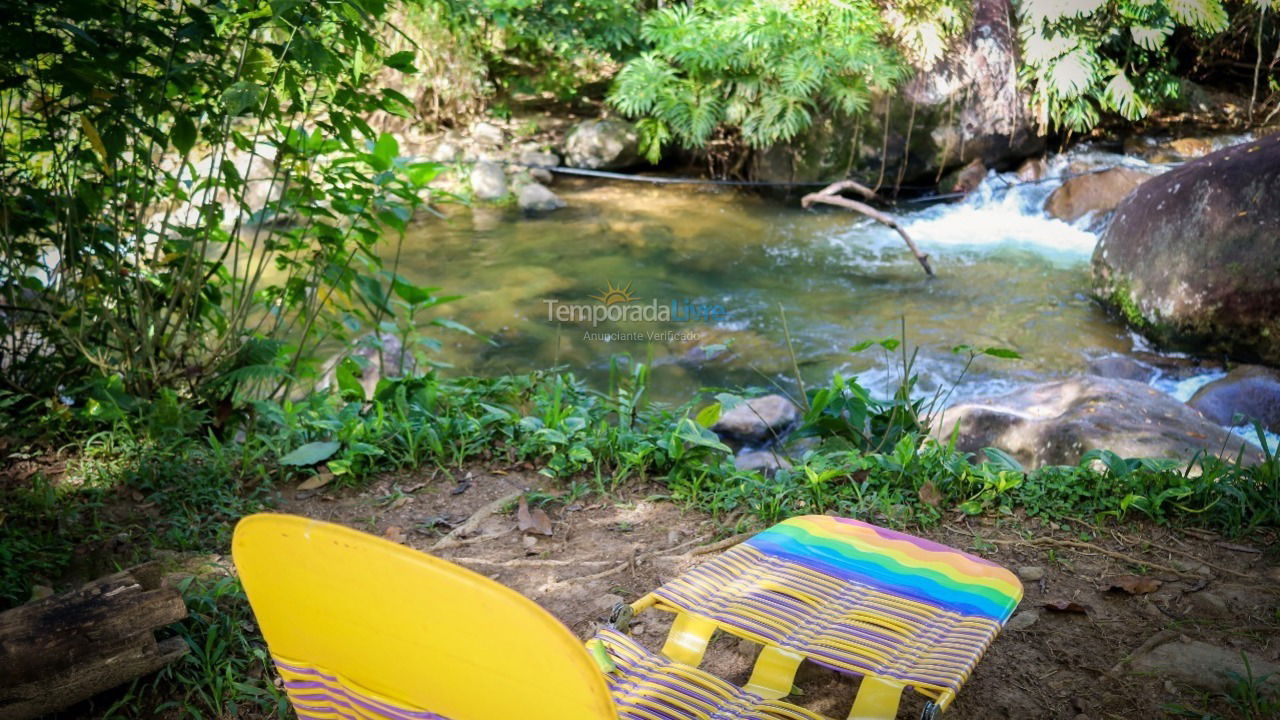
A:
(1082, 59)
(191, 192)
(760, 69)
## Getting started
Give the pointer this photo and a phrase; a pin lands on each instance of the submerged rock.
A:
(536, 198)
(1055, 423)
(1249, 390)
(1192, 257)
(488, 182)
(1095, 192)
(1123, 367)
(606, 144)
(758, 422)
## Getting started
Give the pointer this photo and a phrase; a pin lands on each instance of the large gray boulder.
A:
(1055, 423)
(1192, 257)
(1250, 391)
(605, 144)
(966, 107)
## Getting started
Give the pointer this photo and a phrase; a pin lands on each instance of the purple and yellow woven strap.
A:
(320, 695)
(646, 686)
(856, 598)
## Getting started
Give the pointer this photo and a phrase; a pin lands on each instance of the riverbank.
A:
(1105, 604)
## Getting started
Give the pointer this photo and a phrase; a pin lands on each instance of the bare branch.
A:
(829, 196)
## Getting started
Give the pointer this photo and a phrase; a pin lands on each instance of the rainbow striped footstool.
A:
(898, 610)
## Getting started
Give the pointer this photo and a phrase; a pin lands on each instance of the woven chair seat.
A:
(856, 598)
(647, 686)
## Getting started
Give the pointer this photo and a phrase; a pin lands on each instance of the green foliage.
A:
(1084, 58)
(760, 69)
(192, 193)
(554, 45)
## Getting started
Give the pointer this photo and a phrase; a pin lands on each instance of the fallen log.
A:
(830, 195)
(69, 647)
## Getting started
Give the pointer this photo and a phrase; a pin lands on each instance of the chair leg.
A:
(687, 641)
(774, 673)
(877, 699)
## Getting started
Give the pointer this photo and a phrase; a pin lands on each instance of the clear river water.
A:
(727, 265)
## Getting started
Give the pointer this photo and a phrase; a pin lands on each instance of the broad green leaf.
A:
(310, 454)
(385, 152)
(1002, 353)
(348, 375)
(183, 134)
(1001, 460)
(410, 293)
(708, 415)
(453, 325)
(421, 173)
(402, 61)
(242, 96)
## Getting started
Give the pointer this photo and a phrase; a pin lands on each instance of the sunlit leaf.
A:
(310, 454)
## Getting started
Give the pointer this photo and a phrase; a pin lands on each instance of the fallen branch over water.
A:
(830, 195)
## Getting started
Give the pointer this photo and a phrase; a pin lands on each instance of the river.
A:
(726, 265)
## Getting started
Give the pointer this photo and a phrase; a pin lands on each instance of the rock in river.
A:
(536, 198)
(1096, 192)
(606, 144)
(1055, 423)
(1249, 390)
(1192, 257)
(758, 422)
(488, 182)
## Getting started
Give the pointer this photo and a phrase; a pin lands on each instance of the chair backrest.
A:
(903, 564)
(360, 626)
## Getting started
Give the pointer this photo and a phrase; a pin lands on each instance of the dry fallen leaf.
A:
(1132, 584)
(317, 481)
(398, 503)
(394, 534)
(532, 521)
(929, 494)
(1065, 606)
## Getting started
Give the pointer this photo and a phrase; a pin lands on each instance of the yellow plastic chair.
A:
(362, 628)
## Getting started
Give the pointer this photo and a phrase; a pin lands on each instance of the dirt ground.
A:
(1059, 665)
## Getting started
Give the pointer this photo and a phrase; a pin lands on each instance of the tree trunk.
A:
(67, 648)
